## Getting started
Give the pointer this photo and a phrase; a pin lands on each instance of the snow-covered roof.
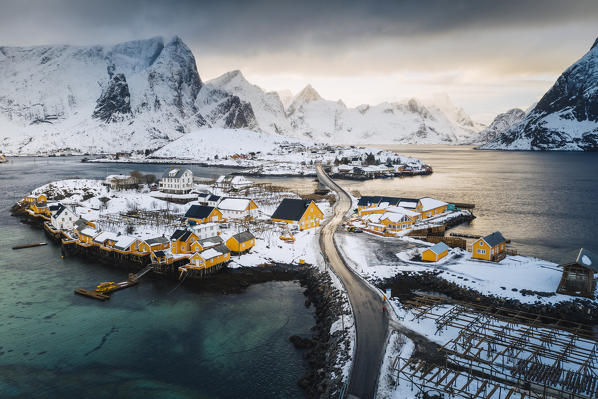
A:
(90, 232)
(402, 211)
(106, 235)
(175, 173)
(125, 242)
(439, 248)
(210, 253)
(408, 204)
(431, 203)
(396, 214)
(373, 217)
(234, 204)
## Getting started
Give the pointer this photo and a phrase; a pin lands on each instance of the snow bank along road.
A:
(371, 323)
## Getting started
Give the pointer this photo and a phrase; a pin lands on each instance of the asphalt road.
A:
(371, 323)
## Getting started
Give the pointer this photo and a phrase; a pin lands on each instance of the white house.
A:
(230, 182)
(63, 218)
(232, 208)
(205, 230)
(177, 181)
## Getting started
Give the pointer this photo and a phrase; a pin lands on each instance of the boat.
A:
(3, 158)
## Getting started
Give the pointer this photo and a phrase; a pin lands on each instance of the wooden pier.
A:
(104, 290)
(35, 244)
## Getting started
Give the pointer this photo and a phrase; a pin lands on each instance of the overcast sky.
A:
(488, 56)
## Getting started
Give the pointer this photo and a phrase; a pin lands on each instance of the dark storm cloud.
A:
(261, 26)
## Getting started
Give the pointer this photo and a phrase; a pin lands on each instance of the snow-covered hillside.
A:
(130, 96)
(308, 115)
(565, 118)
(202, 144)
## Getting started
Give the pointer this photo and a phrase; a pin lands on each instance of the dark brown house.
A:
(578, 276)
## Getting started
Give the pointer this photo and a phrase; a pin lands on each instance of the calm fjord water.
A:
(144, 342)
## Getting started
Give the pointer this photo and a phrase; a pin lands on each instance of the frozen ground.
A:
(377, 258)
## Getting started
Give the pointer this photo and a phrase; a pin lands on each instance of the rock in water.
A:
(115, 102)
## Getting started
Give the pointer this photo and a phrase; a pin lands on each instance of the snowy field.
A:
(377, 258)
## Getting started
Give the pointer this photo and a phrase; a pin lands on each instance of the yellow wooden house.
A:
(429, 207)
(241, 242)
(435, 252)
(154, 244)
(198, 214)
(181, 241)
(208, 258)
(491, 247)
(303, 213)
(87, 235)
(106, 239)
(128, 245)
(398, 219)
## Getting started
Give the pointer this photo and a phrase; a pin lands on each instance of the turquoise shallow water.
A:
(147, 341)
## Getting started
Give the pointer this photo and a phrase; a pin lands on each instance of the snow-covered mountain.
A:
(308, 115)
(565, 118)
(500, 124)
(131, 96)
(267, 107)
(411, 121)
(143, 94)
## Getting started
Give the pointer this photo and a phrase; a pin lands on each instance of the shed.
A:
(578, 276)
(435, 252)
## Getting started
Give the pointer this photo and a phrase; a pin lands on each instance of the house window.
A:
(481, 251)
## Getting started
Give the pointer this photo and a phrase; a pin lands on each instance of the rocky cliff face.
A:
(500, 125)
(115, 102)
(565, 118)
(130, 96)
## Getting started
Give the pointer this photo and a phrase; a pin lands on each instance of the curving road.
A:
(371, 323)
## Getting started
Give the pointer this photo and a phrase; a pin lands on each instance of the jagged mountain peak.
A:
(308, 94)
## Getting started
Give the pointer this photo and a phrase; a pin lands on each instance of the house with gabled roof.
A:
(62, 218)
(578, 276)
(198, 214)
(299, 212)
(241, 242)
(492, 247)
(435, 252)
(181, 240)
(154, 244)
(106, 239)
(87, 234)
(127, 244)
(236, 208)
(177, 181)
(429, 207)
